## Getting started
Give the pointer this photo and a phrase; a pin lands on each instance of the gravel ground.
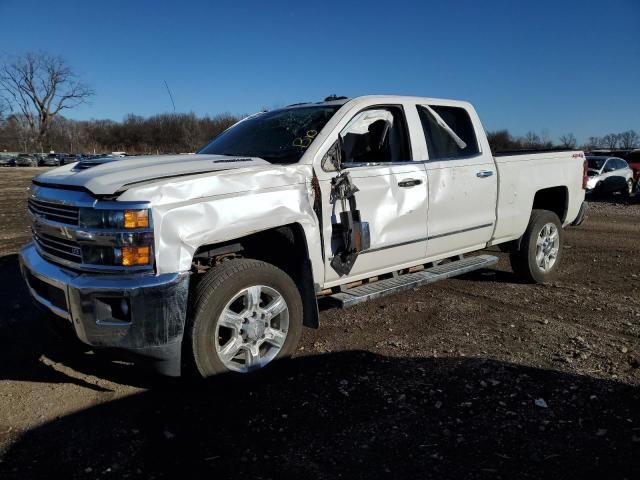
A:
(475, 377)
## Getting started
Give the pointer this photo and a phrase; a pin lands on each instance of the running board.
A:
(381, 288)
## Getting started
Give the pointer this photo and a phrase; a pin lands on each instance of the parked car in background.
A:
(71, 158)
(7, 161)
(609, 175)
(52, 160)
(26, 160)
(633, 159)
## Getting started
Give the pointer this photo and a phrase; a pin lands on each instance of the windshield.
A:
(280, 136)
(596, 163)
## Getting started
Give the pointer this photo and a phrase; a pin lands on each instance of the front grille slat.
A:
(52, 214)
(57, 248)
(64, 247)
(58, 212)
(50, 207)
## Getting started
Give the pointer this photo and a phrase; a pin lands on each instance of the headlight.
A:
(117, 238)
(114, 219)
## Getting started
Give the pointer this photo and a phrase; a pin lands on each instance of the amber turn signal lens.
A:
(136, 219)
(136, 256)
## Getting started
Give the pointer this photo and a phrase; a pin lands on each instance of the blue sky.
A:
(549, 66)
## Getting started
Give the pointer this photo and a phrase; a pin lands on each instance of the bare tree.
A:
(40, 86)
(532, 140)
(568, 140)
(628, 139)
(594, 142)
(610, 140)
(4, 107)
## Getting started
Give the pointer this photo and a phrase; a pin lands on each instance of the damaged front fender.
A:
(208, 209)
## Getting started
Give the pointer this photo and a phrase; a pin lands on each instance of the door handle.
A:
(484, 173)
(409, 182)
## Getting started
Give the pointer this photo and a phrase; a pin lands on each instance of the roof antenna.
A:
(170, 96)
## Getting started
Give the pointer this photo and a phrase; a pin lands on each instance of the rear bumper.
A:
(141, 314)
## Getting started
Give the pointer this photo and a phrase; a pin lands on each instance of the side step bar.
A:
(369, 291)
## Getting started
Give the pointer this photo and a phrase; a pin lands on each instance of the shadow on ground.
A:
(350, 415)
(614, 198)
(342, 415)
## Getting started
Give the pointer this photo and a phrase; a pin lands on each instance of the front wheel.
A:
(245, 314)
(538, 257)
(627, 191)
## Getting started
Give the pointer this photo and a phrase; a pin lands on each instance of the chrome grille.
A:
(58, 247)
(57, 212)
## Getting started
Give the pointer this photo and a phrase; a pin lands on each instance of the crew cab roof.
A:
(381, 99)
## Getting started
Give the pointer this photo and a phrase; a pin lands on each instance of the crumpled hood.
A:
(116, 175)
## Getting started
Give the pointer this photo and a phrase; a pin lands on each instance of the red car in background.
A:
(633, 159)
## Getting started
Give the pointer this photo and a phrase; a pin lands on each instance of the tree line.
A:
(502, 140)
(163, 133)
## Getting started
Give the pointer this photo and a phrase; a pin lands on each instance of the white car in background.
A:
(609, 175)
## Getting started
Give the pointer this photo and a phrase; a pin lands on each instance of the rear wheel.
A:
(245, 314)
(540, 251)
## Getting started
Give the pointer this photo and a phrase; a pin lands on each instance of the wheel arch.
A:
(554, 199)
(284, 246)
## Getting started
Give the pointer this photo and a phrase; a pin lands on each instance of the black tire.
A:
(523, 260)
(212, 294)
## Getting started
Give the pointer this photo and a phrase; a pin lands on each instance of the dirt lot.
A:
(475, 377)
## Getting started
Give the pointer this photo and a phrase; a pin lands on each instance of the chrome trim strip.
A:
(52, 210)
(38, 240)
(84, 232)
(409, 162)
(74, 198)
(401, 244)
(486, 225)
(83, 236)
(91, 268)
(44, 238)
(424, 239)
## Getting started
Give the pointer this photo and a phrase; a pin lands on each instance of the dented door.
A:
(462, 203)
(392, 198)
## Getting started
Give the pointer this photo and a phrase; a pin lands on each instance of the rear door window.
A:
(451, 135)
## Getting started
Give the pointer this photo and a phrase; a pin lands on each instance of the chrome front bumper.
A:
(141, 313)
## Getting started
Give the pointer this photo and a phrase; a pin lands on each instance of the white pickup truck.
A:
(215, 261)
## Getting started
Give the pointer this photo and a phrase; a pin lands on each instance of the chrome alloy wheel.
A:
(547, 247)
(252, 328)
